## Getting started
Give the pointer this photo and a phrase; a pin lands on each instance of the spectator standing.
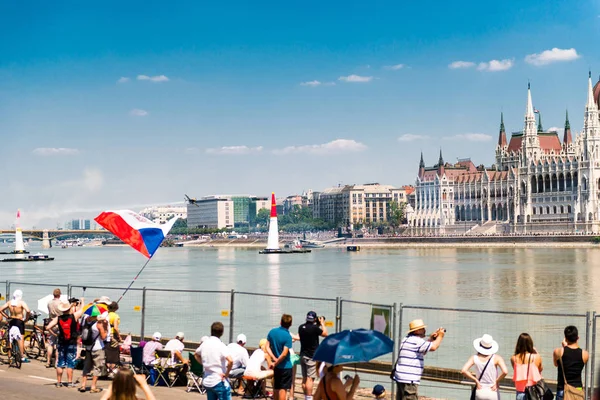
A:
(527, 365)
(112, 348)
(410, 364)
(148, 355)
(217, 361)
(94, 353)
(66, 339)
(309, 334)
(53, 312)
(19, 313)
(240, 356)
(279, 345)
(571, 359)
(486, 362)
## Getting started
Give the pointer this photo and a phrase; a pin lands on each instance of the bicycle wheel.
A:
(32, 346)
(16, 354)
(3, 345)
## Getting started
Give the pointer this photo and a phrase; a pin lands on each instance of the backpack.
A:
(67, 329)
(87, 334)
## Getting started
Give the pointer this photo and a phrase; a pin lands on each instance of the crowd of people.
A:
(487, 369)
(73, 329)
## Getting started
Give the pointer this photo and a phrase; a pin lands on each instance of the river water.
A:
(543, 280)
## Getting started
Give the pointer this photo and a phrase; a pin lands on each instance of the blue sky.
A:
(254, 97)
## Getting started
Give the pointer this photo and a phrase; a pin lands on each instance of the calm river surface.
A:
(541, 280)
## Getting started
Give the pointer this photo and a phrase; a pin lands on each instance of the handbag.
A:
(570, 392)
(474, 390)
(538, 391)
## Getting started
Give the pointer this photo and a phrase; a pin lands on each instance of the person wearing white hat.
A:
(486, 363)
(19, 313)
(176, 347)
(240, 356)
(409, 367)
(150, 349)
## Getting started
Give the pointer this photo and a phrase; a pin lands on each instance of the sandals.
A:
(96, 390)
(81, 389)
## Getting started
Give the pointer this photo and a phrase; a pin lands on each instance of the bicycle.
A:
(10, 347)
(37, 338)
(4, 340)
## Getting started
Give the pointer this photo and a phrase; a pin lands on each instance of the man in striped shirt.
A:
(409, 367)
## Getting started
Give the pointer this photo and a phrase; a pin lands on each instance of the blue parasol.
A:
(353, 346)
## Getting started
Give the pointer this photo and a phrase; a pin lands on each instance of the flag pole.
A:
(134, 279)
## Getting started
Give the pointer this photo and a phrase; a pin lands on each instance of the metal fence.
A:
(145, 310)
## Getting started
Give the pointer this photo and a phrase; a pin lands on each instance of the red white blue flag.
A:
(139, 232)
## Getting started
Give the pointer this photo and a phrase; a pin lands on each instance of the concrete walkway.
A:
(35, 381)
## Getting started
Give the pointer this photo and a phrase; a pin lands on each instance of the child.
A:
(379, 392)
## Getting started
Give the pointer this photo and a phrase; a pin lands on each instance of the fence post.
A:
(231, 311)
(592, 351)
(341, 317)
(7, 290)
(143, 313)
(394, 351)
(588, 326)
(337, 314)
(69, 290)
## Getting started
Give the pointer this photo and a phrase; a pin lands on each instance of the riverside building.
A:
(350, 205)
(538, 183)
(225, 211)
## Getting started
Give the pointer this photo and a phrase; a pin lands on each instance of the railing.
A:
(145, 310)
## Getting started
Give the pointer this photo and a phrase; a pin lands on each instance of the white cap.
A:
(18, 294)
(180, 335)
(156, 336)
(241, 338)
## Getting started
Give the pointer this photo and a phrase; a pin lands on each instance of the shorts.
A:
(19, 323)
(112, 354)
(66, 356)
(282, 378)
(407, 391)
(94, 362)
(51, 340)
(309, 367)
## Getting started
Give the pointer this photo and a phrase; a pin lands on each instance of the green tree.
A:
(396, 214)
(262, 217)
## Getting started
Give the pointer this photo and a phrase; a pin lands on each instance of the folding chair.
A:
(165, 370)
(137, 364)
(194, 375)
(254, 388)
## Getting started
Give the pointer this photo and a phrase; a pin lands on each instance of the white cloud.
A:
(334, 147)
(496, 65)
(136, 112)
(55, 151)
(461, 64)
(310, 83)
(123, 79)
(234, 150)
(551, 56)
(408, 137)
(157, 78)
(556, 129)
(355, 78)
(472, 137)
(394, 67)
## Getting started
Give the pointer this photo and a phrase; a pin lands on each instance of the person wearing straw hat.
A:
(66, 339)
(486, 363)
(409, 367)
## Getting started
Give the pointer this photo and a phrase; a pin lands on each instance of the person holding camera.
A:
(66, 334)
(409, 367)
(309, 334)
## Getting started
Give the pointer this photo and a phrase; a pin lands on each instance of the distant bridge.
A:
(52, 234)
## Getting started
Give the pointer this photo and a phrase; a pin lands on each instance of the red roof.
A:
(548, 141)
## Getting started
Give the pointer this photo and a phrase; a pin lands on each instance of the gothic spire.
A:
(422, 163)
(540, 128)
(529, 113)
(567, 138)
(591, 104)
(441, 160)
(502, 134)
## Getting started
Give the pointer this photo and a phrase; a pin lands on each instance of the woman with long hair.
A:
(125, 384)
(527, 365)
(486, 363)
(331, 386)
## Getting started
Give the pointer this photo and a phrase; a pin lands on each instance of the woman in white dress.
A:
(487, 382)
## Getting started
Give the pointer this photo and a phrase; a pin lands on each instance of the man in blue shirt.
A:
(280, 344)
